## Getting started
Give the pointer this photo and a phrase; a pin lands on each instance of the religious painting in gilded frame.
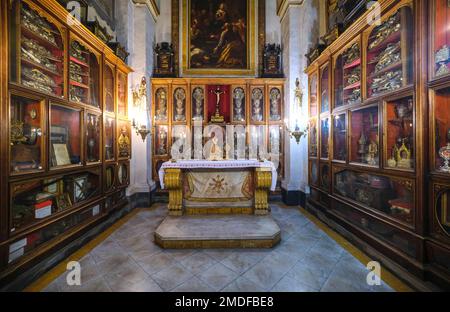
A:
(219, 38)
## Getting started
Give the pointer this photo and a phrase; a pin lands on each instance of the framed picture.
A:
(61, 155)
(219, 37)
(54, 186)
(78, 188)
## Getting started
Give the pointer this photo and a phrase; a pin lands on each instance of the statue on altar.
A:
(215, 152)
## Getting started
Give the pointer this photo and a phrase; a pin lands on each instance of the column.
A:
(136, 31)
(299, 30)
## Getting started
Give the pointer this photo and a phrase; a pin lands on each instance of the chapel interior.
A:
(224, 145)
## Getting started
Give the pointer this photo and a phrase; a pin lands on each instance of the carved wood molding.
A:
(283, 6)
(151, 5)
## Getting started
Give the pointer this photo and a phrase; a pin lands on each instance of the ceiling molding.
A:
(284, 5)
(151, 5)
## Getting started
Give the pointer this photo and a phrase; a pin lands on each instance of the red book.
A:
(44, 204)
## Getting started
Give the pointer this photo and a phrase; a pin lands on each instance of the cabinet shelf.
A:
(41, 67)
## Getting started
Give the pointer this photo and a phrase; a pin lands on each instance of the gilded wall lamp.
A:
(297, 134)
(140, 110)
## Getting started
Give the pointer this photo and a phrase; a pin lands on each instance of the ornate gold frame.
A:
(252, 46)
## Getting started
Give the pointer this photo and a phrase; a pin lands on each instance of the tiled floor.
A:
(305, 260)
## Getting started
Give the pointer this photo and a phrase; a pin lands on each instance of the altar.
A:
(218, 187)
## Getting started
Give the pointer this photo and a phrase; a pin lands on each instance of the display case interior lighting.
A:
(140, 112)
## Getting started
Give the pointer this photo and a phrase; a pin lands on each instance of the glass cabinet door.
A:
(179, 104)
(340, 137)
(325, 138)
(276, 99)
(313, 137)
(110, 129)
(257, 105)
(121, 93)
(83, 75)
(390, 196)
(365, 136)
(26, 134)
(324, 90)
(37, 50)
(389, 53)
(93, 130)
(124, 140)
(239, 102)
(161, 104)
(441, 140)
(347, 77)
(65, 136)
(399, 133)
(440, 11)
(313, 95)
(109, 88)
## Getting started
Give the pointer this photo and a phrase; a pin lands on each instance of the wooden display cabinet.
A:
(390, 189)
(60, 133)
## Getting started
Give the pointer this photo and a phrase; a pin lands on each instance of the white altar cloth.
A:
(221, 164)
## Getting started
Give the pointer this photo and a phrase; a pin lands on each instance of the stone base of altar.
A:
(218, 231)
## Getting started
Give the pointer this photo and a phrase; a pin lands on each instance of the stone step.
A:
(218, 231)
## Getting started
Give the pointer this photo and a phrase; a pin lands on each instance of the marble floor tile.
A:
(308, 276)
(156, 263)
(289, 284)
(270, 270)
(241, 261)
(305, 260)
(172, 277)
(198, 262)
(193, 285)
(217, 276)
(241, 284)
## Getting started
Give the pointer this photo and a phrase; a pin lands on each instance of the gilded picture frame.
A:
(249, 69)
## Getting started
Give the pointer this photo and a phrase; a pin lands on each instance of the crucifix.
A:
(217, 118)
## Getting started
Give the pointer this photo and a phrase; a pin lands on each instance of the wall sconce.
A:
(297, 134)
(140, 110)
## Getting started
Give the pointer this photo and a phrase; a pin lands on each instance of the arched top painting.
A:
(219, 38)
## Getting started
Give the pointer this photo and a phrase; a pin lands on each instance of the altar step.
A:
(218, 231)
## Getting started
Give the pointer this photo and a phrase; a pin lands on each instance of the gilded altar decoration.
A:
(161, 105)
(198, 99)
(124, 143)
(257, 105)
(162, 141)
(180, 104)
(219, 37)
(217, 117)
(238, 104)
(275, 104)
(272, 65)
(164, 60)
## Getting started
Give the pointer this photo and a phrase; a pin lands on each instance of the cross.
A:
(218, 93)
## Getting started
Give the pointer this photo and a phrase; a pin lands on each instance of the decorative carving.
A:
(173, 182)
(263, 181)
(257, 106)
(124, 143)
(273, 67)
(164, 60)
(199, 97)
(238, 104)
